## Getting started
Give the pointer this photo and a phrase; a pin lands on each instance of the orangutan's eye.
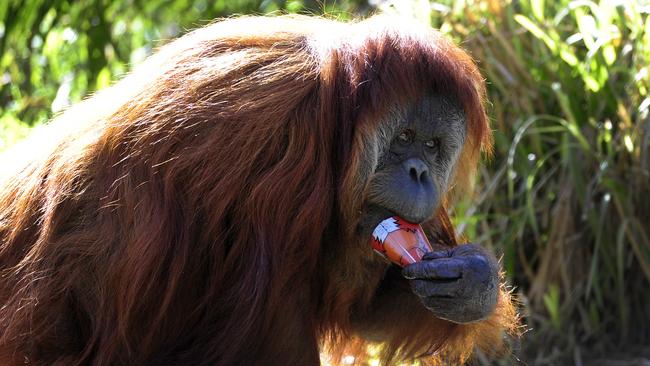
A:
(433, 143)
(405, 136)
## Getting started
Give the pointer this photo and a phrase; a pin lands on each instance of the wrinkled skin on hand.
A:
(460, 284)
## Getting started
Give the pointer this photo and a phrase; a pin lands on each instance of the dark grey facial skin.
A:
(418, 149)
(413, 173)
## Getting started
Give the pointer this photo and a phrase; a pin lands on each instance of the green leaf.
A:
(568, 56)
(11, 130)
(536, 31)
(538, 9)
(587, 26)
(552, 303)
(294, 6)
(609, 54)
(103, 78)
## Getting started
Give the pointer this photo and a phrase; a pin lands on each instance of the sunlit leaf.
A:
(103, 78)
(609, 54)
(568, 57)
(535, 31)
(538, 9)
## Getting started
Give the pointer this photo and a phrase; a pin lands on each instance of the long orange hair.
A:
(196, 210)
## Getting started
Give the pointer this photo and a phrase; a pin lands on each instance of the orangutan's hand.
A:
(460, 284)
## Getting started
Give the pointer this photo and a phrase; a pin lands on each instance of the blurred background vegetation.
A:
(566, 196)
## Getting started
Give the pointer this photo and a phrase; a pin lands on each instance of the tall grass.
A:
(566, 197)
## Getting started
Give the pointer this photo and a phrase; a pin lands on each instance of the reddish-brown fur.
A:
(202, 210)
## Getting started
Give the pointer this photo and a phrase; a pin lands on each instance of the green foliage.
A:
(55, 52)
(566, 196)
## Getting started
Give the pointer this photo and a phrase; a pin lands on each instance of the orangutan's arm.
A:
(398, 316)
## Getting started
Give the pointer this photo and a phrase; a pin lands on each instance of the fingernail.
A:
(407, 275)
(436, 255)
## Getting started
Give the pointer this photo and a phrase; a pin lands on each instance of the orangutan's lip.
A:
(410, 219)
(375, 214)
(418, 220)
